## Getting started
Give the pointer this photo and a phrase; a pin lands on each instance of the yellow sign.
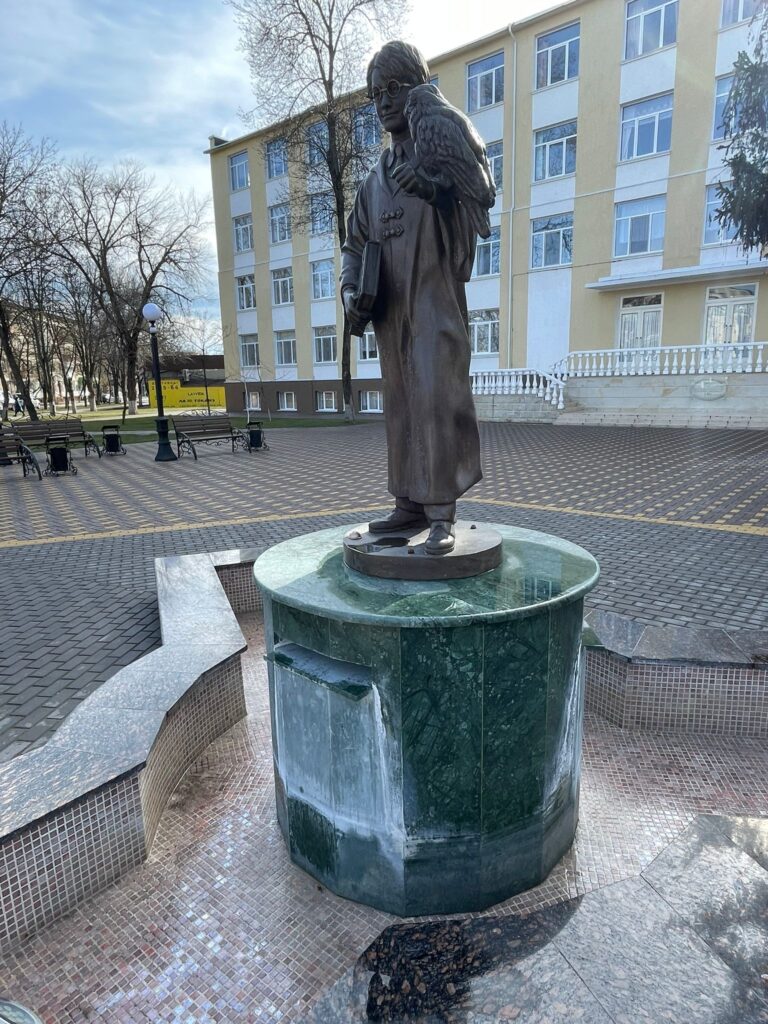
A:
(179, 396)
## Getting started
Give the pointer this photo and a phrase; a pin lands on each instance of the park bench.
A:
(13, 450)
(35, 435)
(192, 430)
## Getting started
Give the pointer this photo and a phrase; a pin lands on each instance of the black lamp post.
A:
(165, 453)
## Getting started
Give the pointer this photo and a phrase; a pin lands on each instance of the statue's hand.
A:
(357, 318)
(414, 183)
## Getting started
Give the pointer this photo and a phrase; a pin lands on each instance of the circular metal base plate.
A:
(402, 556)
(13, 1013)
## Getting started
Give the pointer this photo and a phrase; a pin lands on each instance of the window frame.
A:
(253, 406)
(327, 276)
(320, 401)
(496, 161)
(493, 244)
(365, 341)
(245, 229)
(554, 142)
(280, 343)
(282, 285)
(722, 232)
(544, 231)
(479, 318)
(656, 114)
(330, 335)
(721, 78)
(632, 217)
(316, 137)
(243, 345)
(364, 406)
(277, 146)
(738, 21)
(497, 81)
(548, 50)
(232, 167)
(282, 404)
(244, 287)
(326, 210)
(661, 5)
(366, 127)
(280, 223)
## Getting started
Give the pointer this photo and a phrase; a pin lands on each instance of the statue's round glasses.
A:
(392, 88)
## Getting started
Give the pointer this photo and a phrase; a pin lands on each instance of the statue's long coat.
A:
(420, 320)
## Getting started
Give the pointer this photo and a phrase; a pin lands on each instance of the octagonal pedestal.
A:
(426, 736)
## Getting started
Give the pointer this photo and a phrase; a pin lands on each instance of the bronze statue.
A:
(424, 202)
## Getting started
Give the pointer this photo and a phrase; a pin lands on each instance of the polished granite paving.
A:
(657, 914)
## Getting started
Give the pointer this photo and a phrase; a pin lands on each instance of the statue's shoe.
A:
(441, 539)
(398, 519)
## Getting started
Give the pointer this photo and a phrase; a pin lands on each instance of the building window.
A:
(557, 56)
(280, 223)
(323, 280)
(640, 321)
(321, 207)
(246, 292)
(317, 143)
(249, 351)
(286, 401)
(729, 316)
(487, 255)
(243, 232)
(325, 401)
(367, 350)
(282, 286)
(485, 82)
(555, 151)
(325, 344)
(723, 88)
(238, 172)
(254, 401)
(646, 127)
(367, 127)
(738, 10)
(552, 240)
(651, 24)
(714, 232)
(640, 226)
(371, 401)
(484, 331)
(285, 348)
(495, 151)
(277, 158)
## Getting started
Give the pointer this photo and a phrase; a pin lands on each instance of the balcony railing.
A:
(666, 360)
(519, 382)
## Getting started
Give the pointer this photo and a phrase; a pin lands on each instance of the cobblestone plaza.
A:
(218, 925)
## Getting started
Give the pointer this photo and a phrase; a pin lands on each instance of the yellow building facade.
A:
(603, 123)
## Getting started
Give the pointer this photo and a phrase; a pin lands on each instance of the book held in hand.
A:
(369, 281)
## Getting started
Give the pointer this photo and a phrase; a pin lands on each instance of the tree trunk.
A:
(6, 394)
(13, 365)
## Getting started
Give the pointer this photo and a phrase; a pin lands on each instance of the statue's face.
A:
(389, 108)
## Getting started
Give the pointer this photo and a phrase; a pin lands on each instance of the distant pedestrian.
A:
(18, 405)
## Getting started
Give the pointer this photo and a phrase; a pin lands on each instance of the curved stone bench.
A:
(82, 810)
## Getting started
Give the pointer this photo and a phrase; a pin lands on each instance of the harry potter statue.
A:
(415, 221)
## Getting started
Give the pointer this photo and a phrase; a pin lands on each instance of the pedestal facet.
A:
(426, 735)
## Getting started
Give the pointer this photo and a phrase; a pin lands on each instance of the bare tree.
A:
(87, 327)
(307, 61)
(130, 241)
(25, 170)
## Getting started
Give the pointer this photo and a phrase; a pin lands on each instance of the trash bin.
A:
(59, 455)
(256, 434)
(113, 444)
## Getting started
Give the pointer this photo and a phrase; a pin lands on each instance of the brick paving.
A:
(219, 926)
(677, 518)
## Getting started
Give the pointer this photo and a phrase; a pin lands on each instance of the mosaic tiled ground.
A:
(218, 926)
(677, 519)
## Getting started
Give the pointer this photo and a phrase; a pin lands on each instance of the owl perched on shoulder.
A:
(450, 153)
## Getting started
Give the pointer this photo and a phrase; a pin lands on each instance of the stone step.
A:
(644, 418)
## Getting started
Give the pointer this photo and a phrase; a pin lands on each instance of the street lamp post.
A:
(165, 453)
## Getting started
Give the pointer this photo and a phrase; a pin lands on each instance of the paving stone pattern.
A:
(76, 553)
(219, 926)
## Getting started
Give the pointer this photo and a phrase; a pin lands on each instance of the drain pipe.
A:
(511, 206)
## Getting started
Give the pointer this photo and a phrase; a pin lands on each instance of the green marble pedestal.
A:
(426, 736)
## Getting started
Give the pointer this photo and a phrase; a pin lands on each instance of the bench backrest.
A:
(199, 425)
(42, 429)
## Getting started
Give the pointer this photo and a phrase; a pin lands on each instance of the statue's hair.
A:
(400, 61)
